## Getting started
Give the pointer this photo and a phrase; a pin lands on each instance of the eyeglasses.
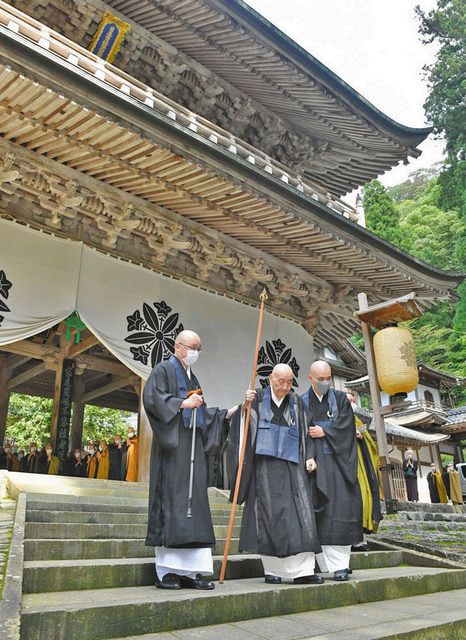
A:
(187, 346)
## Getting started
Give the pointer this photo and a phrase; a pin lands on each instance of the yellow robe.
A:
(91, 466)
(455, 487)
(132, 461)
(442, 492)
(104, 465)
(367, 503)
(54, 465)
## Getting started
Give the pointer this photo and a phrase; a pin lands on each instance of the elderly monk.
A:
(183, 545)
(278, 519)
(339, 521)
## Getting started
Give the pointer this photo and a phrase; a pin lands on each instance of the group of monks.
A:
(299, 483)
(117, 460)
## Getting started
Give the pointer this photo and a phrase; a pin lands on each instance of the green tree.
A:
(445, 105)
(30, 420)
(382, 216)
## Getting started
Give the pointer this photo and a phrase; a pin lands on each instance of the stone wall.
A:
(7, 513)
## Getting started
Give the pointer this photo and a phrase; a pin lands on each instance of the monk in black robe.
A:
(339, 521)
(278, 519)
(183, 544)
(410, 467)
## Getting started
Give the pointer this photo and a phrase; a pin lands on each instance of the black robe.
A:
(115, 454)
(433, 489)
(339, 514)
(278, 518)
(168, 525)
(411, 480)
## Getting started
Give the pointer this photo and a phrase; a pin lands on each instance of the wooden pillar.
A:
(4, 400)
(384, 452)
(145, 440)
(437, 456)
(78, 415)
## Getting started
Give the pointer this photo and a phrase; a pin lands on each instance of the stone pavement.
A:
(434, 616)
(7, 513)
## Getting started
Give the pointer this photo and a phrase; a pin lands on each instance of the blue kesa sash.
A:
(332, 415)
(275, 440)
(183, 388)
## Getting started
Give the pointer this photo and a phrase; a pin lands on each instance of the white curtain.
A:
(136, 313)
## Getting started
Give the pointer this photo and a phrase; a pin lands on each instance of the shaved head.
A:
(186, 337)
(320, 376)
(281, 380)
(186, 341)
(320, 367)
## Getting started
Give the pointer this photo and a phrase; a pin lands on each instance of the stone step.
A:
(431, 508)
(79, 548)
(424, 516)
(405, 525)
(219, 517)
(43, 530)
(437, 616)
(70, 575)
(123, 611)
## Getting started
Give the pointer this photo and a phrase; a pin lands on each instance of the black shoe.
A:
(350, 572)
(272, 579)
(199, 582)
(169, 581)
(309, 580)
(341, 576)
(360, 547)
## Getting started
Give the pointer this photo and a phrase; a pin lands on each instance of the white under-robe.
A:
(184, 562)
(334, 558)
(302, 564)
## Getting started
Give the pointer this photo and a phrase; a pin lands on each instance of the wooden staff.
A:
(263, 298)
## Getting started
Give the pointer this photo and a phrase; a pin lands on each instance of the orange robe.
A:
(91, 466)
(132, 461)
(104, 465)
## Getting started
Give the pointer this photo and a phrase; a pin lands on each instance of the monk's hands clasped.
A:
(311, 465)
(193, 402)
(316, 432)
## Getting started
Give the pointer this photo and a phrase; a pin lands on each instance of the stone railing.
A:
(23, 25)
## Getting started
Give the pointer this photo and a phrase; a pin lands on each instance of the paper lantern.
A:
(395, 358)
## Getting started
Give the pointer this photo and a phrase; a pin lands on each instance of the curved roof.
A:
(355, 140)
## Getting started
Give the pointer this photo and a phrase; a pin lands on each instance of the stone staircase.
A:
(87, 574)
(435, 528)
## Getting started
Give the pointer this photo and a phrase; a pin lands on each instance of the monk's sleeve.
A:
(213, 432)
(162, 408)
(310, 444)
(341, 437)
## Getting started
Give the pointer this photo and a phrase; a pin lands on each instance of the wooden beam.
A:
(31, 349)
(95, 363)
(397, 310)
(108, 388)
(27, 375)
(88, 342)
(13, 362)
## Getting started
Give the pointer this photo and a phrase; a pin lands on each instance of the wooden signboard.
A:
(64, 410)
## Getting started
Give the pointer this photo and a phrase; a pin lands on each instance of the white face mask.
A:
(20, 456)
(33, 449)
(101, 448)
(48, 452)
(131, 435)
(191, 357)
(118, 441)
(92, 451)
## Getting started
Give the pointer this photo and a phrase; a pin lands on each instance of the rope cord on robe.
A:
(263, 298)
(193, 448)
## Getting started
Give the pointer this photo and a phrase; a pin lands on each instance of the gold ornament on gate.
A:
(395, 358)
